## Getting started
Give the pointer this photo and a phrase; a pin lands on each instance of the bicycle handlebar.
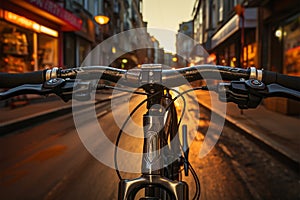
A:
(148, 74)
(168, 76)
(8, 80)
(291, 82)
(131, 77)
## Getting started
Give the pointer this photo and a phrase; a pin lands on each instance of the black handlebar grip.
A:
(292, 82)
(8, 80)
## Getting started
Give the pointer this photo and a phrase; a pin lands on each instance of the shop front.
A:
(234, 44)
(31, 35)
(282, 47)
(26, 45)
(78, 44)
(285, 46)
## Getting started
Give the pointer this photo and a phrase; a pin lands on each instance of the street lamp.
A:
(101, 19)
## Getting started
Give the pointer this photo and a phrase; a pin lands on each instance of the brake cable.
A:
(194, 174)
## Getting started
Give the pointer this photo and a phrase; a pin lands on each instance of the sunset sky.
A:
(167, 14)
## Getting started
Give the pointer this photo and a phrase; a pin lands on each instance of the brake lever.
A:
(249, 93)
(246, 94)
(57, 86)
(61, 87)
(65, 89)
(275, 90)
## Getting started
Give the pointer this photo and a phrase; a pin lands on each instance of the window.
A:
(207, 12)
(201, 15)
(23, 50)
(16, 48)
(221, 10)
(91, 7)
(214, 14)
(116, 6)
(141, 6)
(47, 51)
(84, 49)
(291, 46)
(235, 2)
(79, 1)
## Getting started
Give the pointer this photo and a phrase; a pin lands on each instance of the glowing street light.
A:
(278, 33)
(101, 19)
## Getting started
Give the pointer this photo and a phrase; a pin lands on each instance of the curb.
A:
(13, 125)
(266, 141)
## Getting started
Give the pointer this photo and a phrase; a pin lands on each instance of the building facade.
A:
(77, 44)
(32, 34)
(125, 15)
(184, 42)
(279, 45)
(244, 33)
(227, 30)
(42, 34)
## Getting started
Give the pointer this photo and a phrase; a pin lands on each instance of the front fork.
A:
(152, 178)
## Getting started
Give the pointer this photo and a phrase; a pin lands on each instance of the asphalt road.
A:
(50, 161)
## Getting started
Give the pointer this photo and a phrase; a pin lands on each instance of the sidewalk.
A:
(281, 132)
(37, 108)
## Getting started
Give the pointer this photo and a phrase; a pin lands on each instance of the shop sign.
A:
(29, 24)
(21, 21)
(58, 11)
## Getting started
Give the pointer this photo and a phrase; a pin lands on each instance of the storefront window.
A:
(23, 50)
(232, 56)
(47, 51)
(291, 46)
(250, 52)
(70, 48)
(84, 49)
(16, 48)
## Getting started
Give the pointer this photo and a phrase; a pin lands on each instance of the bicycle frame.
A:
(155, 178)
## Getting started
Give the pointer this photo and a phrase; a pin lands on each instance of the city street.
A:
(49, 161)
(73, 75)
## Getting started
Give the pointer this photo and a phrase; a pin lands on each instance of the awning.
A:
(53, 12)
(233, 25)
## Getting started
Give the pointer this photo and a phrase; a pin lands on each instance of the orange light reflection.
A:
(27, 23)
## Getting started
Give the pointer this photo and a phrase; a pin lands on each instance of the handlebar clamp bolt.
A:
(53, 83)
(255, 82)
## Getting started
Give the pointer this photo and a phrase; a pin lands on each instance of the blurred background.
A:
(237, 33)
(41, 155)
